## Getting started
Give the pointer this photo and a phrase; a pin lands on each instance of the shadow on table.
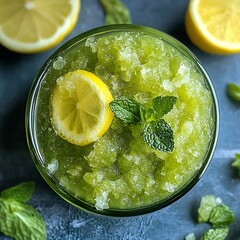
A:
(15, 161)
(8, 57)
(13, 125)
(13, 117)
(180, 34)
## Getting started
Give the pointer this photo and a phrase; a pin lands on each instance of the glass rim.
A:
(32, 139)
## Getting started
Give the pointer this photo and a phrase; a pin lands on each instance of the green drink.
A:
(119, 174)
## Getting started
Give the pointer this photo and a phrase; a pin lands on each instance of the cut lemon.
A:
(80, 107)
(29, 26)
(214, 25)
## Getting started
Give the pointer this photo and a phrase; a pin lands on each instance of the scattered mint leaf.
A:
(221, 215)
(236, 162)
(216, 234)
(21, 221)
(116, 12)
(233, 91)
(207, 204)
(127, 110)
(162, 105)
(21, 192)
(158, 135)
(18, 219)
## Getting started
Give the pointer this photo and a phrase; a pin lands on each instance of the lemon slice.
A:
(80, 107)
(214, 25)
(29, 26)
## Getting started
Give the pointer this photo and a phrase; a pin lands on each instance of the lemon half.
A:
(80, 107)
(29, 26)
(214, 25)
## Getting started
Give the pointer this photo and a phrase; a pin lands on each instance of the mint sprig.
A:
(18, 219)
(156, 132)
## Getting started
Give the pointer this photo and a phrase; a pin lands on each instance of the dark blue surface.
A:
(64, 221)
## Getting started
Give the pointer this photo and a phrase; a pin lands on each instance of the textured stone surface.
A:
(64, 221)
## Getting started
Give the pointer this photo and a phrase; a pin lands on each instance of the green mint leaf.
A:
(206, 206)
(221, 215)
(236, 162)
(162, 105)
(20, 221)
(116, 12)
(127, 110)
(158, 135)
(216, 234)
(233, 91)
(21, 192)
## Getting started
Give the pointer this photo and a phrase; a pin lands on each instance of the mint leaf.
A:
(206, 206)
(158, 135)
(21, 192)
(116, 12)
(127, 110)
(221, 215)
(162, 105)
(216, 234)
(236, 162)
(158, 107)
(233, 91)
(21, 221)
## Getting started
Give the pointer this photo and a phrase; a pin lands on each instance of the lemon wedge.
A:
(29, 26)
(214, 25)
(80, 107)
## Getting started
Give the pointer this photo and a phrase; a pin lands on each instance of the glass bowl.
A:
(34, 134)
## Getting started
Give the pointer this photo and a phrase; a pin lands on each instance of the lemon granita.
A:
(117, 169)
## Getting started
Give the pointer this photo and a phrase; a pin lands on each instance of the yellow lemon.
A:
(214, 25)
(30, 26)
(80, 107)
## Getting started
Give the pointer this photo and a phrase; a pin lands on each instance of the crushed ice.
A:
(53, 166)
(59, 63)
(90, 42)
